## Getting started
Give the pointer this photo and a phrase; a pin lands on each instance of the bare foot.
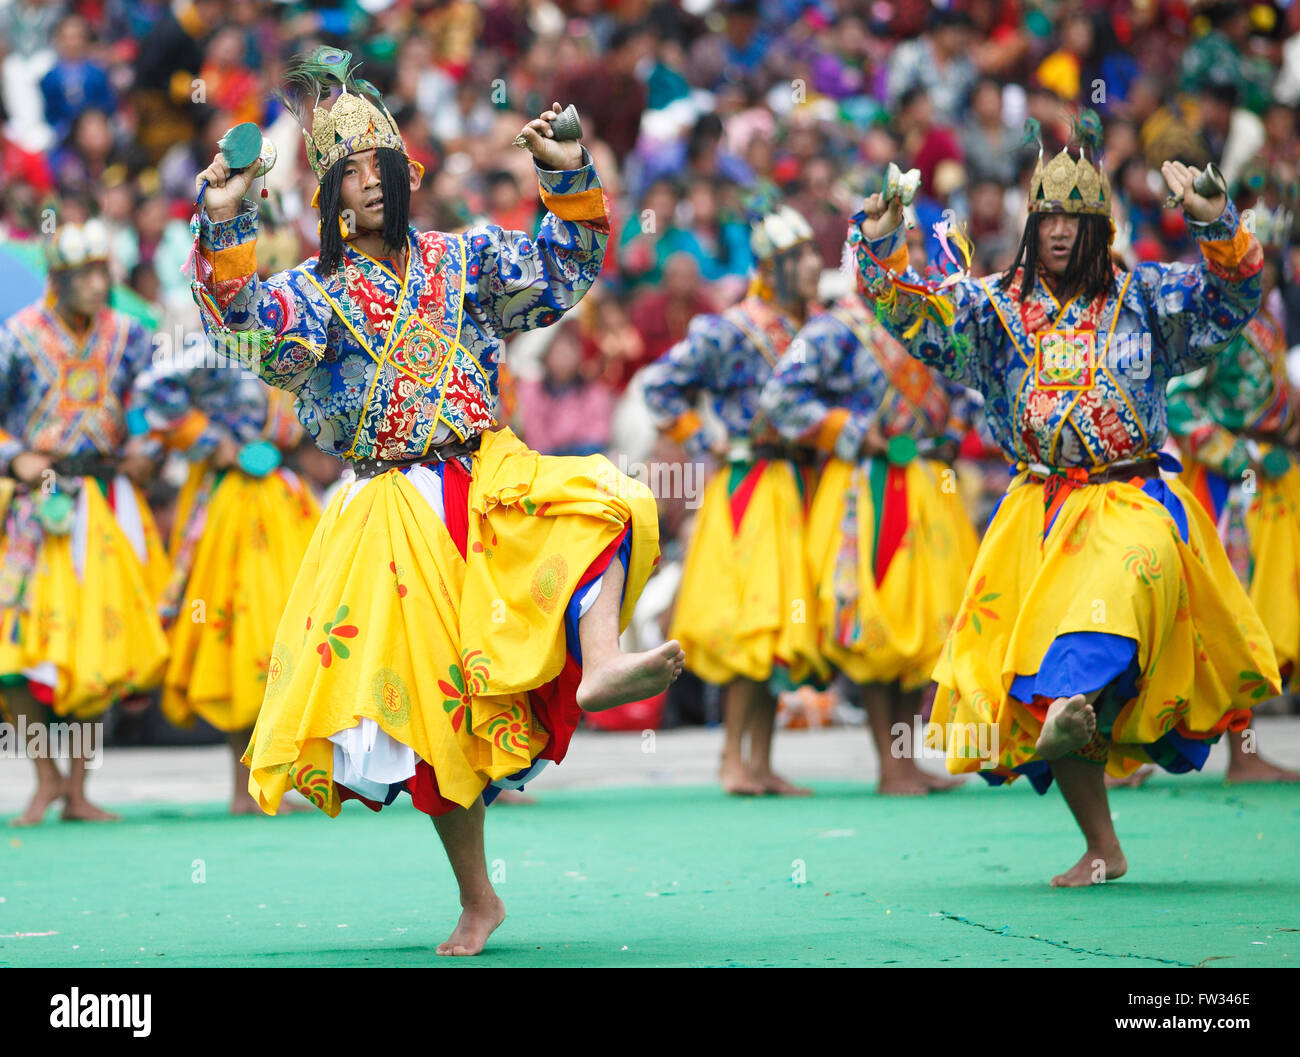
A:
(476, 924)
(1070, 725)
(1245, 768)
(902, 779)
(41, 800)
(737, 780)
(1133, 781)
(773, 783)
(514, 796)
(629, 677)
(82, 810)
(1096, 867)
(937, 783)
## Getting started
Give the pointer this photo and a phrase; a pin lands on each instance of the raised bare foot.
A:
(41, 800)
(1132, 781)
(1070, 725)
(629, 677)
(477, 922)
(1096, 867)
(1247, 767)
(737, 780)
(773, 783)
(79, 809)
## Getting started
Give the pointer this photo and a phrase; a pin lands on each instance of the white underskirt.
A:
(366, 759)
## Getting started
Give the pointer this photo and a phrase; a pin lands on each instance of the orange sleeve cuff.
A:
(186, 432)
(826, 433)
(1229, 253)
(232, 263)
(687, 425)
(898, 261)
(581, 205)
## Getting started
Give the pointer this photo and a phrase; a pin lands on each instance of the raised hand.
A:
(882, 216)
(1180, 179)
(225, 190)
(550, 153)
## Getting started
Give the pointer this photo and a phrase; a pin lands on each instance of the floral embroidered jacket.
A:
(843, 374)
(1075, 384)
(65, 394)
(1244, 391)
(386, 366)
(193, 409)
(728, 357)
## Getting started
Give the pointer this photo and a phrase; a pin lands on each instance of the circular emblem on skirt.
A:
(548, 582)
(391, 697)
(278, 669)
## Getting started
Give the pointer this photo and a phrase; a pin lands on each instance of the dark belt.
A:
(443, 453)
(1126, 471)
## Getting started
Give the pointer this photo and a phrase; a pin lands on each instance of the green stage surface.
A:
(674, 876)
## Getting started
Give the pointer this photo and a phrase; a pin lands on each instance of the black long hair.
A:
(1089, 272)
(395, 182)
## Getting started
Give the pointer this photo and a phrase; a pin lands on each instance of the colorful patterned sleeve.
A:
(805, 397)
(1196, 429)
(11, 444)
(192, 409)
(523, 283)
(281, 321)
(673, 383)
(1197, 309)
(955, 346)
(962, 411)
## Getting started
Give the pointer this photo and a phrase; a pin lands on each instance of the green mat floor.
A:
(673, 876)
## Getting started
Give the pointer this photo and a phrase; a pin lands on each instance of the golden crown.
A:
(356, 120)
(1067, 184)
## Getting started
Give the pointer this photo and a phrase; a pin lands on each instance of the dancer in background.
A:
(243, 521)
(1112, 631)
(745, 612)
(461, 600)
(1236, 425)
(81, 564)
(889, 542)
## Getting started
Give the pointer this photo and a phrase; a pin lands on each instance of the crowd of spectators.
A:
(690, 107)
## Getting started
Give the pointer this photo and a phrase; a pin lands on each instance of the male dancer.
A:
(744, 608)
(461, 601)
(80, 558)
(1236, 424)
(1110, 627)
(889, 542)
(243, 522)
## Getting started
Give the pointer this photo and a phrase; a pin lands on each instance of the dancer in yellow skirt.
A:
(1236, 425)
(1102, 627)
(461, 599)
(889, 542)
(744, 610)
(243, 521)
(81, 564)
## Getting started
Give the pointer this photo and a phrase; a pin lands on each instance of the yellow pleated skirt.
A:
(99, 630)
(746, 608)
(1115, 563)
(245, 563)
(897, 628)
(1273, 523)
(387, 621)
